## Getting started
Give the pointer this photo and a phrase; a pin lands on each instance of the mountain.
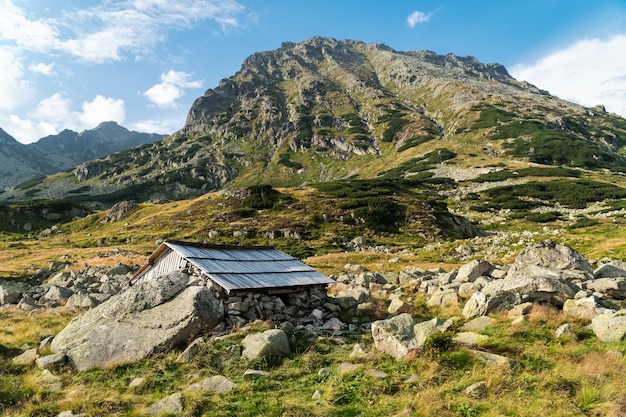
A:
(65, 150)
(71, 148)
(323, 110)
(19, 162)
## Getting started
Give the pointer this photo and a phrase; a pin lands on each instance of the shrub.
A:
(544, 217)
(261, 197)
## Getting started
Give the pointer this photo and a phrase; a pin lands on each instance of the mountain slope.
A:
(323, 110)
(19, 163)
(71, 148)
(65, 150)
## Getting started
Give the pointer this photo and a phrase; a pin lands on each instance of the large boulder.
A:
(613, 287)
(402, 334)
(540, 288)
(269, 344)
(150, 317)
(11, 291)
(551, 259)
(481, 303)
(610, 327)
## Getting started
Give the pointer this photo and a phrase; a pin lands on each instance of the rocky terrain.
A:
(118, 322)
(323, 110)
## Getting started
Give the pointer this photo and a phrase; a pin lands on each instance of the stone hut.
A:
(255, 282)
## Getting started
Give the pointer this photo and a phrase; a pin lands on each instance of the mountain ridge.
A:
(323, 110)
(64, 150)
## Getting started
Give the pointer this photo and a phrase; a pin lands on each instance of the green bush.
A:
(261, 197)
(544, 217)
(381, 214)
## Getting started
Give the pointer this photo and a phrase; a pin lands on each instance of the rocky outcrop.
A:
(151, 317)
(118, 211)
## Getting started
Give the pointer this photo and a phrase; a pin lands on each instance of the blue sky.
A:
(142, 63)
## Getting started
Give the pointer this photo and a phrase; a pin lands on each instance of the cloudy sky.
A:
(141, 63)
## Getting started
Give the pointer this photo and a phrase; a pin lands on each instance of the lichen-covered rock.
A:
(269, 344)
(217, 383)
(402, 334)
(610, 327)
(614, 287)
(469, 272)
(150, 317)
(172, 404)
(550, 259)
(532, 288)
(480, 303)
(11, 292)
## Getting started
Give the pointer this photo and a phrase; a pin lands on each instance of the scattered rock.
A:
(401, 334)
(550, 259)
(478, 324)
(271, 343)
(118, 211)
(137, 382)
(254, 372)
(11, 292)
(477, 391)
(218, 383)
(192, 350)
(170, 404)
(610, 327)
(470, 339)
(53, 361)
(469, 272)
(563, 330)
(27, 358)
(49, 381)
(492, 358)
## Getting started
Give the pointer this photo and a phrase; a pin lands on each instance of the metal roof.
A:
(244, 267)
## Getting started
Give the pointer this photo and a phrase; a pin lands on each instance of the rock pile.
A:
(59, 286)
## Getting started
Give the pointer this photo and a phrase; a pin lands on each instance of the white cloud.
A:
(589, 72)
(55, 113)
(41, 68)
(26, 130)
(102, 109)
(162, 126)
(418, 17)
(29, 34)
(106, 32)
(172, 86)
(14, 88)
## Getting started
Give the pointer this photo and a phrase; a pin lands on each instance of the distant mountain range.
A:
(55, 153)
(325, 110)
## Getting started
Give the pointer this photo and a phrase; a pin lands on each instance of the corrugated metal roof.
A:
(247, 267)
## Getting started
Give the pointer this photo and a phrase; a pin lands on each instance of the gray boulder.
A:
(532, 288)
(613, 269)
(150, 317)
(217, 383)
(270, 343)
(481, 303)
(27, 358)
(614, 287)
(610, 327)
(58, 293)
(584, 308)
(469, 272)
(402, 334)
(551, 259)
(172, 404)
(11, 292)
